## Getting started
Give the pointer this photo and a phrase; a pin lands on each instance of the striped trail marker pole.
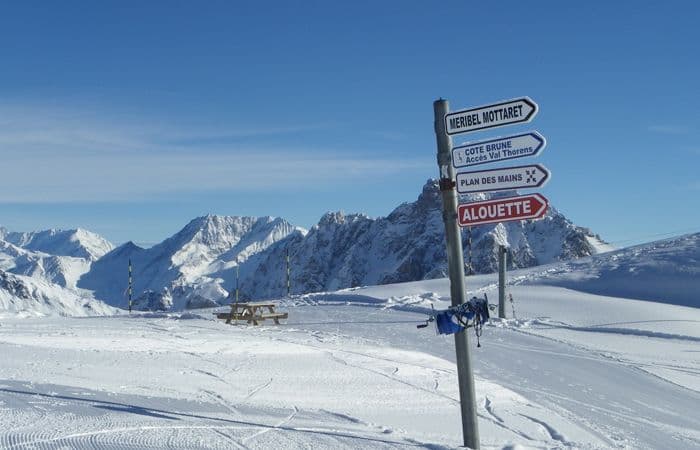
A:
(289, 284)
(238, 277)
(469, 244)
(130, 286)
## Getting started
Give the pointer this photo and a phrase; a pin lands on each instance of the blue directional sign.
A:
(499, 149)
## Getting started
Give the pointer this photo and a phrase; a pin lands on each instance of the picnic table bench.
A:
(252, 312)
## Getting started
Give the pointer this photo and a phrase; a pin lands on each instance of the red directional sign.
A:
(522, 207)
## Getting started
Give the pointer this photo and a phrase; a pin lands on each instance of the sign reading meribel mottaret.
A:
(509, 112)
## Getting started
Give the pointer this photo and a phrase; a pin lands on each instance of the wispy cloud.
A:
(218, 136)
(58, 156)
(40, 129)
(112, 176)
(389, 135)
(669, 129)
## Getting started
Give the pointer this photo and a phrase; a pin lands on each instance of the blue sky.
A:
(130, 118)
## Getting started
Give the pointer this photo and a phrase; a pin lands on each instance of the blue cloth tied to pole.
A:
(457, 318)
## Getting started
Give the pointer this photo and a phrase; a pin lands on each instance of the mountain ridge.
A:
(409, 245)
(199, 265)
(77, 243)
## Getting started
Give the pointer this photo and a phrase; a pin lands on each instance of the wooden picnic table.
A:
(252, 312)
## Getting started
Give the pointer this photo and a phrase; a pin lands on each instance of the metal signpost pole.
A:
(455, 260)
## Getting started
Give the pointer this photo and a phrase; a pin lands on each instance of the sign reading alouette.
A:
(510, 112)
(522, 207)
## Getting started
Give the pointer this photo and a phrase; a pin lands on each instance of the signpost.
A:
(455, 265)
(506, 178)
(521, 207)
(500, 149)
(509, 112)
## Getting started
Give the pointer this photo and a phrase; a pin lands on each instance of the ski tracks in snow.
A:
(344, 356)
(277, 426)
(522, 421)
(256, 389)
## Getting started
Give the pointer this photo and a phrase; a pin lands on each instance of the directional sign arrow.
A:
(506, 178)
(499, 149)
(509, 112)
(522, 207)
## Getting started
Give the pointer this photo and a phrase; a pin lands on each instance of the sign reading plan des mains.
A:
(506, 178)
(509, 112)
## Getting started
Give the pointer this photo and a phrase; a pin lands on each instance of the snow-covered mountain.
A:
(197, 266)
(62, 270)
(52, 256)
(76, 243)
(409, 244)
(189, 269)
(39, 272)
(29, 296)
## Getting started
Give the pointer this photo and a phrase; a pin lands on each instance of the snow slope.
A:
(349, 369)
(166, 382)
(666, 271)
